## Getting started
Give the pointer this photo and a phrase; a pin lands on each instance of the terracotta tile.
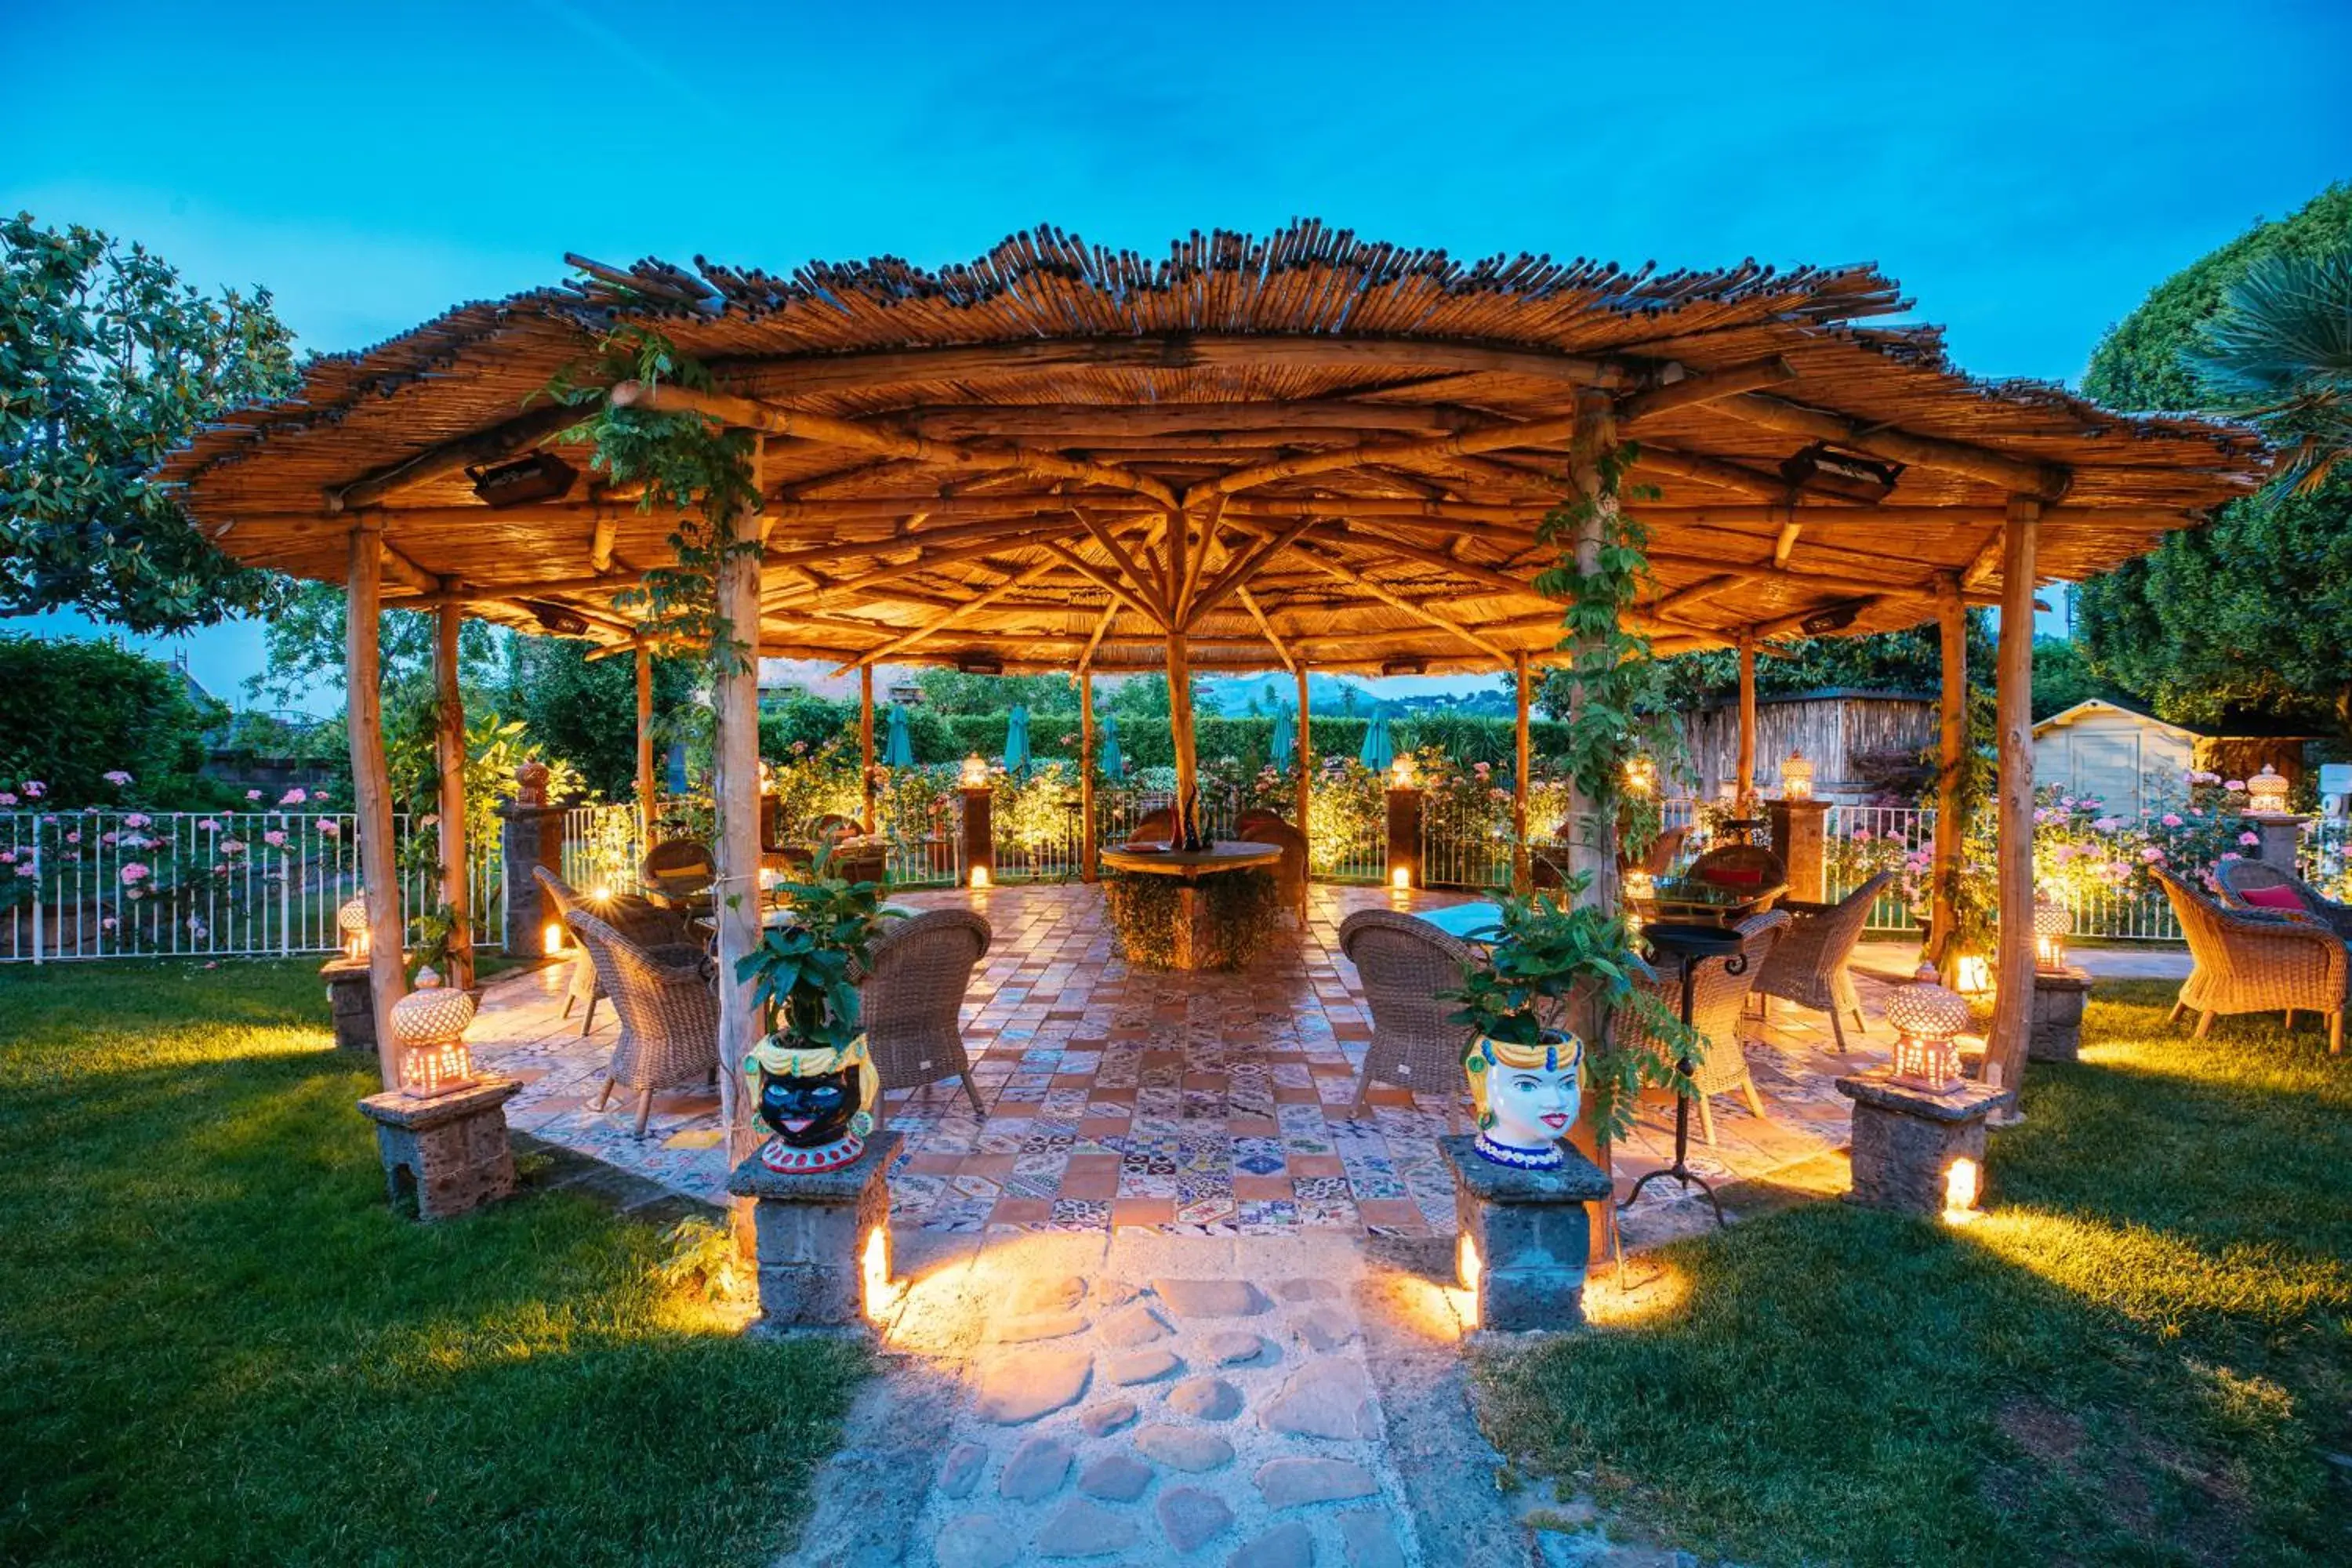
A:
(1021, 1211)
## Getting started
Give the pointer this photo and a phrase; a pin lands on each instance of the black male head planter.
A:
(818, 1100)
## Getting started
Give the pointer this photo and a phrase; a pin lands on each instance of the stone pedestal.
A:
(1798, 841)
(1906, 1140)
(451, 1151)
(1404, 835)
(350, 1003)
(2058, 998)
(979, 820)
(528, 836)
(1526, 1236)
(2282, 835)
(810, 1234)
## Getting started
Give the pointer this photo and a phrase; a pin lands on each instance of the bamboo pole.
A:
(1089, 869)
(449, 761)
(1305, 754)
(735, 788)
(372, 786)
(1951, 763)
(2012, 1019)
(1522, 755)
(865, 746)
(1180, 719)
(648, 804)
(1744, 766)
(2040, 481)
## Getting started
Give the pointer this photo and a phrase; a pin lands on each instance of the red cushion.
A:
(2273, 898)
(1736, 876)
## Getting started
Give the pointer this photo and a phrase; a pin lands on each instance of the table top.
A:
(1479, 922)
(1677, 898)
(1225, 855)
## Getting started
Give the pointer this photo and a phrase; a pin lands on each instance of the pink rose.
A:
(275, 840)
(328, 830)
(27, 870)
(6, 798)
(2106, 825)
(116, 777)
(2251, 840)
(292, 797)
(208, 825)
(318, 794)
(75, 836)
(137, 819)
(8, 856)
(253, 794)
(35, 789)
(2235, 786)
(2169, 819)
(133, 872)
(232, 847)
(109, 924)
(2153, 856)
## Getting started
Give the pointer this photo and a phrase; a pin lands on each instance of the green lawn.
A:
(217, 1344)
(2142, 1354)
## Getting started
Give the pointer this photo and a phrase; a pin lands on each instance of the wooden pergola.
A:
(1304, 450)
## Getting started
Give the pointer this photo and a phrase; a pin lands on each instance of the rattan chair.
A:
(1290, 871)
(2251, 961)
(1156, 826)
(1718, 1005)
(1809, 967)
(669, 1005)
(642, 921)
(2239, 878)
(910, 1000)
(678, 874)
(1404, 964)
(1738, 866)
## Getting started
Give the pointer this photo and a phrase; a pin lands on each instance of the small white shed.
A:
(2132, 762)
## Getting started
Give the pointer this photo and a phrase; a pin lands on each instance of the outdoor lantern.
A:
(1963, 1186)
(352, 919)
(980, 877)
(1972, 974)
(429, 1027)
(2266, 793)
(1641, 775)
(550, 940)
(1400, 879)
(975, 772)
(1797, 777)
(1927, 1019)
(2051, 925)
(1401, 772)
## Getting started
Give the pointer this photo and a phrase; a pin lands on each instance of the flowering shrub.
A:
(814, 781)
(1346, 814)
(2080, 850)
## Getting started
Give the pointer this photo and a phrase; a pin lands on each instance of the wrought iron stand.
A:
(1691, 945)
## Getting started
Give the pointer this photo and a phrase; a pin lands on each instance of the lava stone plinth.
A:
(351, 1002)
(810, 1233)
(1905, 1139)
(2058, 998)
(1533, 1233)
(451, 1151)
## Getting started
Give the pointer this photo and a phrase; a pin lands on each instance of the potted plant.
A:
(815, 1084)
(1529, 1075)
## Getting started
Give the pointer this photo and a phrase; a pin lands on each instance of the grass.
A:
(218, 1344)
(2141, 1355)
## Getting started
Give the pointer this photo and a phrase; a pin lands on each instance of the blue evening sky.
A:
(2027, 171)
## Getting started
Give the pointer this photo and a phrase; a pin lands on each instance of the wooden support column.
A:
(372, 785)
(1593, 848)
(866, 747)
(1522, 874)
(1306, 752)
(1089, 867)
(1743, 776)
(449, 761)
(2013, 1018)
(1180, 717)
(735, 789)
(1951, 766)
(648, 790)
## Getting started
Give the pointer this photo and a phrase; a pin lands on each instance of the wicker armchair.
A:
(1290, 871)
(1404, 964)
(2245, 960)
(1809, 967)
(1660, 858)
(1738, 866)
(1156, 826)
(678, 873)
(668, 1007)
(642, 921)
(909, 1000)
(1719, 1004)
(2239, 878)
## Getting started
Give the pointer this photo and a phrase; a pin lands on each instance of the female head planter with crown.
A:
(1526, 1097)
(817, 1099)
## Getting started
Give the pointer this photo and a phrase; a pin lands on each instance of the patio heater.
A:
(1690, 945)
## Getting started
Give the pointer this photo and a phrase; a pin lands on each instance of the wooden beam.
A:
(2043, 481)
(1088, 421)
(866, 820)
(450, 764)
(1346, 573)
(398, 568)
(601, 540)
(1482, 438)
(1102, 629)
(1270, 544)
(1743, 775)
(648, 790)
(1706, 588)
(1785, 542)
(1951, 769)
(2013, 1016)
(1523, 760)
(1179, 726)
(1258, 615)
(1709, 471)
(925, 632)
(1150, 590)
(1704, 387)
(747, 413)
(1119, 593)
(500, 440)
(371, 788)
(1089, 866)
(1306, 757)
(735, 791)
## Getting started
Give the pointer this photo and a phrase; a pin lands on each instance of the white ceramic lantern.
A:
(428, 1025)
(1927, 1019)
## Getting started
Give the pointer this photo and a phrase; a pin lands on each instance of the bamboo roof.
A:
(1303, 446)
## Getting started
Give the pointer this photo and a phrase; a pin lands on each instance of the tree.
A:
(2062, 677)
(952, 691)
(2254, 611)
(107, 360)
(586, 712)
(72, 711)
(302, 645)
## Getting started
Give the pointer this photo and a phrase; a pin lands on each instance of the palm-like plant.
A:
(2280, 349)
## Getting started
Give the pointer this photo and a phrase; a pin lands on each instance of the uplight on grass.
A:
(1962, 1181)
(881, 1291)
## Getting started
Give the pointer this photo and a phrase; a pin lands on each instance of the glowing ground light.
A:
(980, 877)
(881, 1292)
(1400, 879)
(551, 938)
(1961, 1180)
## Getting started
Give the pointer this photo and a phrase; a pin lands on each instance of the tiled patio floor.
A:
(1213, 1104)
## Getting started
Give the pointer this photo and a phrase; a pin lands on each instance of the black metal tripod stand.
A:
(1691, 945)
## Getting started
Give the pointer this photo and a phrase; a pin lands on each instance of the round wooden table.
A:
(1195, 942)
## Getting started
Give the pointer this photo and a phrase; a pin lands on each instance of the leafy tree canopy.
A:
(72, 711)
(587, 712)
(2252, 611)
(302, 647)
(1908, 661)
(952, 691)
(107, 360)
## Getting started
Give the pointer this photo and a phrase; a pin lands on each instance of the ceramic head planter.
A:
(818, 1100)
(1526, 1097)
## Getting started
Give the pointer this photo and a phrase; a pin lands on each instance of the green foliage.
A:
(1908, 661)
(2200, 626)
(2063, 676)
(1144, 909)
(73, 711)
(107, 360)
(2280, 349)
(799, 973)
(952, 691)
(586, 712)
(302, 647)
